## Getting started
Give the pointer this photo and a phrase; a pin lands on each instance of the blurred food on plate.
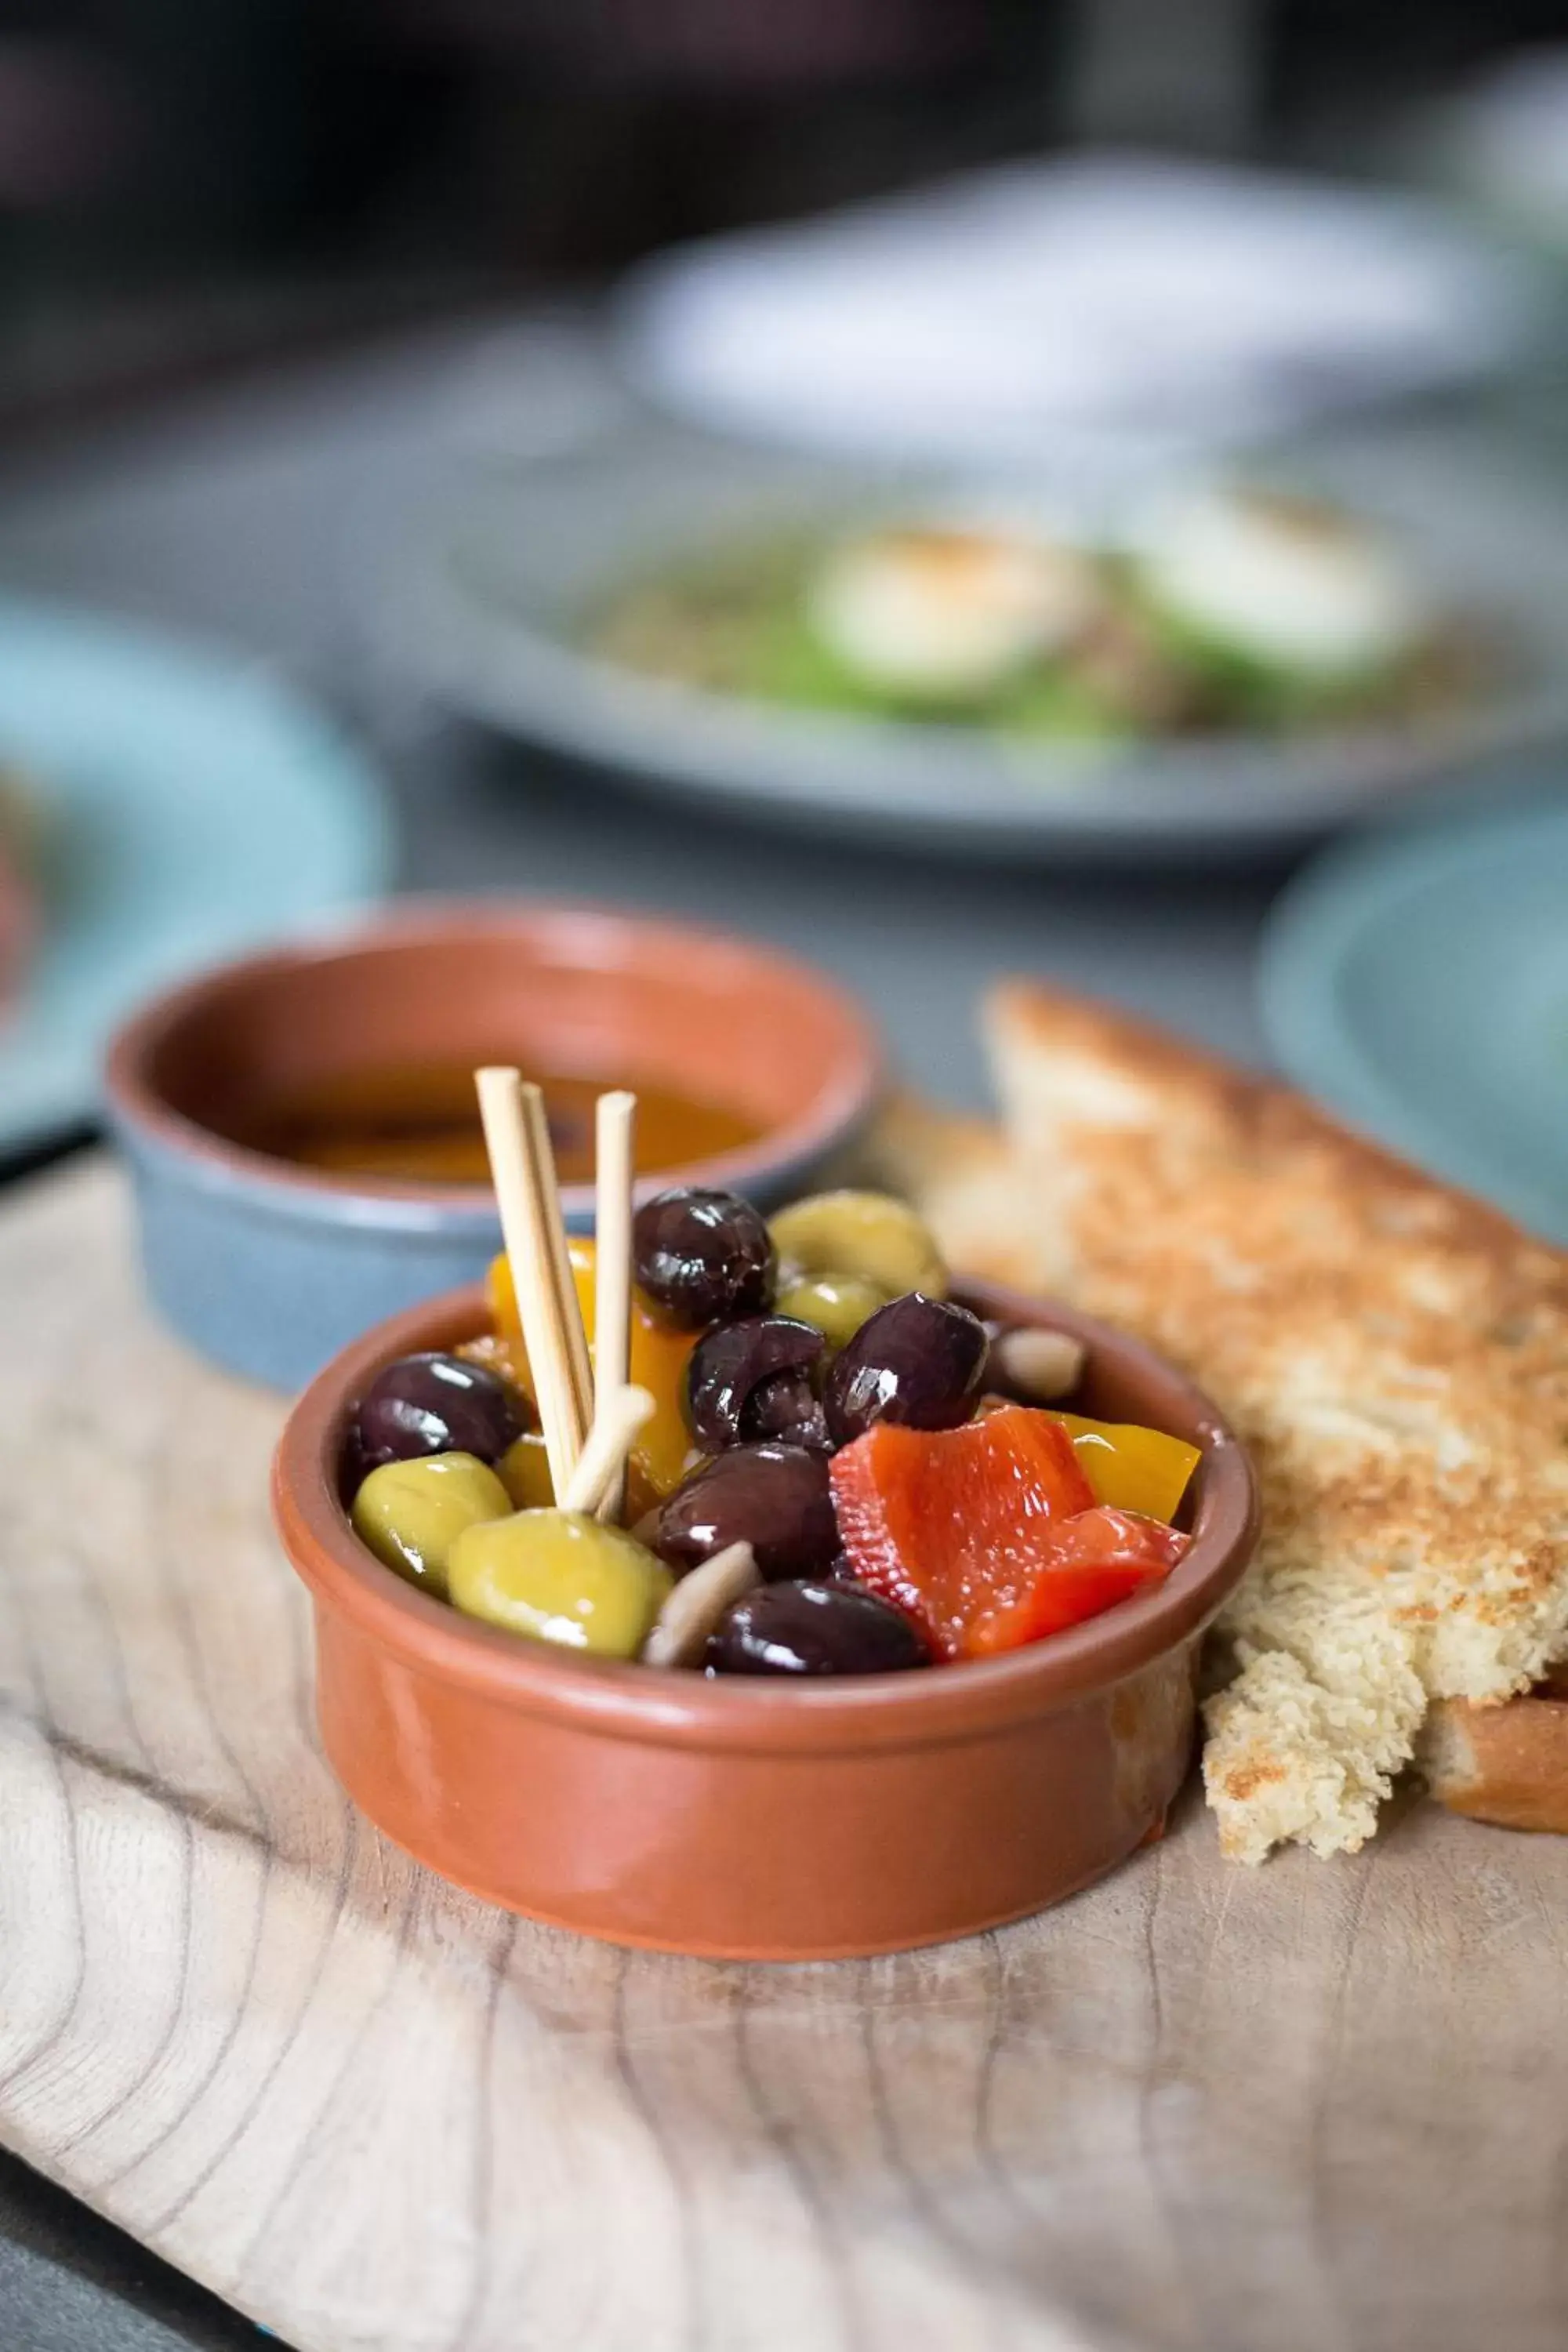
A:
(1223, 608)
(1220, 657)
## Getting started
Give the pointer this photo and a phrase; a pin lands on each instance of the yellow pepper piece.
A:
(524, 1471)
(1129, 1468)
(664, 1451)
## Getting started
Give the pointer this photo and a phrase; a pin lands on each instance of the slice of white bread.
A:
(1394, 1355)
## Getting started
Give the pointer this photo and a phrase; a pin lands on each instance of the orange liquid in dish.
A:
(422, 1123)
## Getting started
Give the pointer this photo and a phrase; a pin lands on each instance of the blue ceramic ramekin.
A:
(269, 1268)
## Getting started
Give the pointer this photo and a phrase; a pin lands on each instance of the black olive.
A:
(776, 1498)
(814, 1629)
(917, 1360)
(703, 1256)
(433, 1404)
(751, 1379)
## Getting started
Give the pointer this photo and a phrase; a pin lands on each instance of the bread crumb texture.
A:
(1394, 1355)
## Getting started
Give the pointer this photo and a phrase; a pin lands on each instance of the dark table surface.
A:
(246, 516)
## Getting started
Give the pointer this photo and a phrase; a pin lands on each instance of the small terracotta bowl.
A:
(745, 1818)
(270, 1268)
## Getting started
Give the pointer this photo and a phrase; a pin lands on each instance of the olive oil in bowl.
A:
(420, 1124)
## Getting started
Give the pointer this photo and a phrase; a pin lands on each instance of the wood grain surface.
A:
(1317, 2107)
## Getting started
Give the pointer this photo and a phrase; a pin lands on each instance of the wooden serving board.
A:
(1302, 2109)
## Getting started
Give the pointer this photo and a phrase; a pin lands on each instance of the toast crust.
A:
(1225, 1099)
(1504, 1764)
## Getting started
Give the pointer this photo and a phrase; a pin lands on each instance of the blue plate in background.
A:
(191, 806)
(1416, 982)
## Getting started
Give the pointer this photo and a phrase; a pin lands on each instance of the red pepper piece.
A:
(988, 1535)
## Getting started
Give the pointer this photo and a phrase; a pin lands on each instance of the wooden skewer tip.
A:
(615, 1126)
(528, 1206)
(623, 1414)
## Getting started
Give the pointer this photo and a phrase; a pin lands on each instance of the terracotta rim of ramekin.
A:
(851, 1080)
(739, 1713)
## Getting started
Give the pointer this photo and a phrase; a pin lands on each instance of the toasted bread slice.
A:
(1396, 1356)
(1506, 1764)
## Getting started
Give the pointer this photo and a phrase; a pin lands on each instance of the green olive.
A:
(870, 1236)
(410, 1514)
(560, 1576)
(836, 1304)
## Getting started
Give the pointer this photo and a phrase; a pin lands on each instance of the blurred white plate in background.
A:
(1097, 310)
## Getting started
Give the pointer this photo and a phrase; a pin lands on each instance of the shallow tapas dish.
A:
(735, 1818)
(268, 1262)
(487, 606)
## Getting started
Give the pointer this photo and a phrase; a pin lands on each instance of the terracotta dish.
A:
(270, 1266)
(751, 1819)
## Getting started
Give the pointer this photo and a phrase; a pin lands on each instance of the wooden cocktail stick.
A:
(524, 1221)
(622, 1412)
(615, 1133)
(679, 1635)
(579, 1369)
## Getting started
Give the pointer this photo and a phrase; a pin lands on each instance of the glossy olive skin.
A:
(814, 1629)
(410, 1514)
(870, 1237)
(787, 1408)
(702, 1257)
(559, 1577)
(434, 1404)
(776, 1498)
(917, 1360)
(836, 1303)
(764, 1361)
